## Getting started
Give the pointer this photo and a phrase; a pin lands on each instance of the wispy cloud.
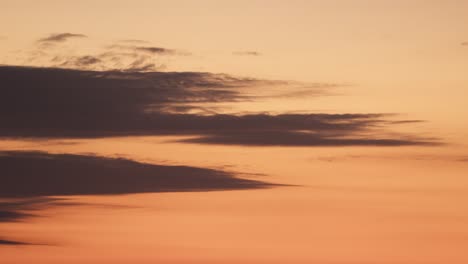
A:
(13, 210)
(123, 56)
(79, 61)
(20, 209)
(154, 50)
(60, 37)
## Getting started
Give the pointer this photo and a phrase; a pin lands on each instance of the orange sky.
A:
(366, 202)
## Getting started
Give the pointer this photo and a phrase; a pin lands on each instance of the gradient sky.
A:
(328, 132)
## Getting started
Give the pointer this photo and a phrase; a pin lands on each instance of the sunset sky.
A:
(180, 132)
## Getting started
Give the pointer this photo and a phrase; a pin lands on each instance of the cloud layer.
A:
(44, 102)
(118, 93)
(32, 174)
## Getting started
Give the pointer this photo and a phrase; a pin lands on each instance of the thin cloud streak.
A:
(298, 139)
(155, 50)
(4, 242)
(60, 37)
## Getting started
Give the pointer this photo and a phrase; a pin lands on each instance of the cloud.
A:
(80, 61)
(30, 178)
(68, 96)
(155, 50)
(13, 210)
(107, 61)
(125, 55)
(58, 103)
(296, 138)
(19, 209)
(12, 243)
(152, 50)
(406, 121)
(10, 215)
(60, 37)
(120, 57)
(34, 174)
(247, 53)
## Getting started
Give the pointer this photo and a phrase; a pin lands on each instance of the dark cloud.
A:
(34, 174)
(19, 209)
(152, 50)
(406, 121)
(247, 53)
(155, 50)
(68, 98)
(61, 37)
(57, 103)
(13, 210)
(30, 178)
(10, 215)
(12, 243)
(294, 138)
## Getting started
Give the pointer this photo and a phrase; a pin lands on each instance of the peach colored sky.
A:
(390, 204)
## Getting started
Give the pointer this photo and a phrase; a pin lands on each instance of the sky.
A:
(328, 132)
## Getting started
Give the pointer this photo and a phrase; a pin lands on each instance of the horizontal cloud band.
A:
(46, 102)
